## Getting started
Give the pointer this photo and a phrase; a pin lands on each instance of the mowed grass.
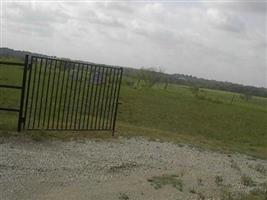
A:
(9, 98)
(177, 115)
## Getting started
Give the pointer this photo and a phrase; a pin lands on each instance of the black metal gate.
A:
(65, 95)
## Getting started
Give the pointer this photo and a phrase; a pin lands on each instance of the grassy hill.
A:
(211, 119)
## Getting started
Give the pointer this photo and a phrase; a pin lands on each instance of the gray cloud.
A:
(33, 18)
(124, 7)
(257, 6)
(238, 6)
(226, 21)
(223, 41)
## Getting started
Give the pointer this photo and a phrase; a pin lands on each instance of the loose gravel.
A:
(120, 169)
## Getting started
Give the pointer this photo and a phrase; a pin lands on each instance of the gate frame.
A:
(22, 110)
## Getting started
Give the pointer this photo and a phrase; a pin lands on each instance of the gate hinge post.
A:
(20, 117)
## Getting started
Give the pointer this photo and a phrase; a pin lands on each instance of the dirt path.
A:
(122, 169)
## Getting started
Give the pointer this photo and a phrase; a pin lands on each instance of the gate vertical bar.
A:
(28, 91)
(90, 96)
(117, 103)
(21, 120)
(33, 89)
(107, 100)
(114, 99)
(99, 96)
(37, 92)
(101, 118)
(47, 90)
(110, 99)
(84, 86)
(61, 92)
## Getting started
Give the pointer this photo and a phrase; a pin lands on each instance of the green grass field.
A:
(176, 115)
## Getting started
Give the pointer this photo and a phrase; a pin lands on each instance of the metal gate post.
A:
(21, 119)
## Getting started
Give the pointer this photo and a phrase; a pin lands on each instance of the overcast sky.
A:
(216, 40)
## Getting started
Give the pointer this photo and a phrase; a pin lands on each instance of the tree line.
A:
(151, 76)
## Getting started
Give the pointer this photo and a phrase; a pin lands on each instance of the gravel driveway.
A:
(122, 169)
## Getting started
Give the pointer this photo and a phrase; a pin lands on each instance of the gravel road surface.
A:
(122, 169)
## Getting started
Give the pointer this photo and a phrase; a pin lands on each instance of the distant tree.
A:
(166, 81)
(137, 75)
(183, 79)
(152, 77)
(246, 96)
(232, 100)
(129, 82)
(163, 78)
(195, 90)
(148, 76)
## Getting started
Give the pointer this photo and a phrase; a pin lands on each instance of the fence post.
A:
(20, 119)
